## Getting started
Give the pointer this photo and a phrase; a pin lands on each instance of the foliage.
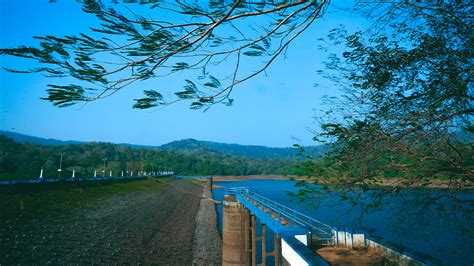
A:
(407, 97)
(404, 121)
(126, 48)
(24, 161)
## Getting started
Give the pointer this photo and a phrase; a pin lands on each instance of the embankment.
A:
(207, 245)
(149, 221)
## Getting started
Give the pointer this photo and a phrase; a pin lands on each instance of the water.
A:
(440, 233)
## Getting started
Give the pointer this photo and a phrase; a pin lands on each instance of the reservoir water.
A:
(441, 233)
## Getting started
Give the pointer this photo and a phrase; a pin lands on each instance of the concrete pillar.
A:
(73, 173)
(277, 249)
(264, 245)
(246, 236)
(95, 173)
(110, 173)
(41, 174)
(122, 173)
(254, 240)
(231, 232)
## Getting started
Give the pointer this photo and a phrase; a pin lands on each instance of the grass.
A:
(48, 199)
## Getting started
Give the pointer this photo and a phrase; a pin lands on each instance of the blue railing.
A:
(322, 231)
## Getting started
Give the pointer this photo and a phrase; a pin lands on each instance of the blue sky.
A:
(272, 110)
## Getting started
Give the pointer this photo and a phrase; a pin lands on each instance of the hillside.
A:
(250, 151)
(24, 161)
(192, 146)
(31, 139)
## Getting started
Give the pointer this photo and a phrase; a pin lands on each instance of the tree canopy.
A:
(173, 36)
(405, 117)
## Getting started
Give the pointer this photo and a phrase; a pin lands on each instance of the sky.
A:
(276, 109)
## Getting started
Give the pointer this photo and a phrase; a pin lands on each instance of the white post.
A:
(110, 174)
(95, 173)
(73, 173)
(41, 174)
(131, 173)
(122, 173)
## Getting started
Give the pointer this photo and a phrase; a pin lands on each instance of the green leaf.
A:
(153, 99)
(63, 96)
(214, 83)
(153, 94)
(257, 47)
(180, 66)
(253, 53)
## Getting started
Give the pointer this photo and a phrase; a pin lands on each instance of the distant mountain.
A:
(42, 141)
(190, 146)
(250, 151)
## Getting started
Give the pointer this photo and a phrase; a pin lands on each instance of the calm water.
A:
(442, 234)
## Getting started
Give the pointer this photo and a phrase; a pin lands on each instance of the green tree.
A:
(408, 101)
(405, 117)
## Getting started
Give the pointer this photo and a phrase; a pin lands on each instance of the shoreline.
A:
(378, 183)
(233, 178)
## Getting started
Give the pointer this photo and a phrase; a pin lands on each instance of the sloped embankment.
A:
(207, 246)
(136, 222)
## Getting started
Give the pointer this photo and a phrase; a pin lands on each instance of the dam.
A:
(297, 239)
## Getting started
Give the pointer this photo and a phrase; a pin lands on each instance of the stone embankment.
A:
(207, 245)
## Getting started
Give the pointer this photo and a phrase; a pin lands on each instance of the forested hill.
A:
(251, 151)
(31, 139)
(24, 161)
(192, 146)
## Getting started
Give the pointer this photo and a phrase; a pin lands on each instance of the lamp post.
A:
(60, 164)
(103, 170)
(41, 173)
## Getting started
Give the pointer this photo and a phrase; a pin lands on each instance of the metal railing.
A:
(322, 231)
